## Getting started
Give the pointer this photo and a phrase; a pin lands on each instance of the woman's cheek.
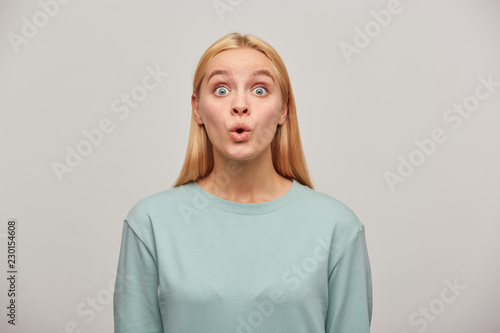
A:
(269, 129)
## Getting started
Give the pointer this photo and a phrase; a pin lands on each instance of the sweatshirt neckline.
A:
(204, 199)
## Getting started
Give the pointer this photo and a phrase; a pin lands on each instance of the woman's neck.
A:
(249, 181)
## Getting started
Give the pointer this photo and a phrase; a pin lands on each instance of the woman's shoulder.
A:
(331, 208)
(155, 203)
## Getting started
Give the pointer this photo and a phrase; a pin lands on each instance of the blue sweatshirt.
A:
(192, 262)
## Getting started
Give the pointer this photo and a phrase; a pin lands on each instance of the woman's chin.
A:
(241, 154)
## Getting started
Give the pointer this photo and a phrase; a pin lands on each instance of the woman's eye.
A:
(260, 91)
(221, 91)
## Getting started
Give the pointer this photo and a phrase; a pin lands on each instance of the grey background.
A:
(356, 117)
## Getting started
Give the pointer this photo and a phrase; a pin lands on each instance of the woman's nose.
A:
(240, 109)
(240, 105)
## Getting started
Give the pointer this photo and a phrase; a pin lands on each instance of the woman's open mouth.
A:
(240, 131)
(240, 135)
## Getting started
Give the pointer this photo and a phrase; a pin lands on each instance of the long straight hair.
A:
(286, 147)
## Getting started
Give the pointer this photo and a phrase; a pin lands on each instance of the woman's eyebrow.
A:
(219, 72)
(264, 72)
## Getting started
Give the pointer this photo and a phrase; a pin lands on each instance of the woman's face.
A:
(240, 89)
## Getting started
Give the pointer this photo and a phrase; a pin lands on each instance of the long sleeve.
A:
(350, 290)
(136, 307)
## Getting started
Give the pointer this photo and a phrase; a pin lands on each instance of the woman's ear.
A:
(283, 113)
(195, 104)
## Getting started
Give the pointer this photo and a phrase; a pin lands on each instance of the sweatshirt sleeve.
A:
(350, 290)
(136, 307)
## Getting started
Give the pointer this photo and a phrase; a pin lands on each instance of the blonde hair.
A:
(286, 147)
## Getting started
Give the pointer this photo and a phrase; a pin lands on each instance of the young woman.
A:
(242, 242)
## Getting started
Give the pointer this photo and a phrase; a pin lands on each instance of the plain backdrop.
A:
(397, 120)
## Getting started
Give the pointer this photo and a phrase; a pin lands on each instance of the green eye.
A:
(221, 91)
(260, 91)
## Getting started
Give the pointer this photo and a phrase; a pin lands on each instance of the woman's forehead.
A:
(244, 61)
